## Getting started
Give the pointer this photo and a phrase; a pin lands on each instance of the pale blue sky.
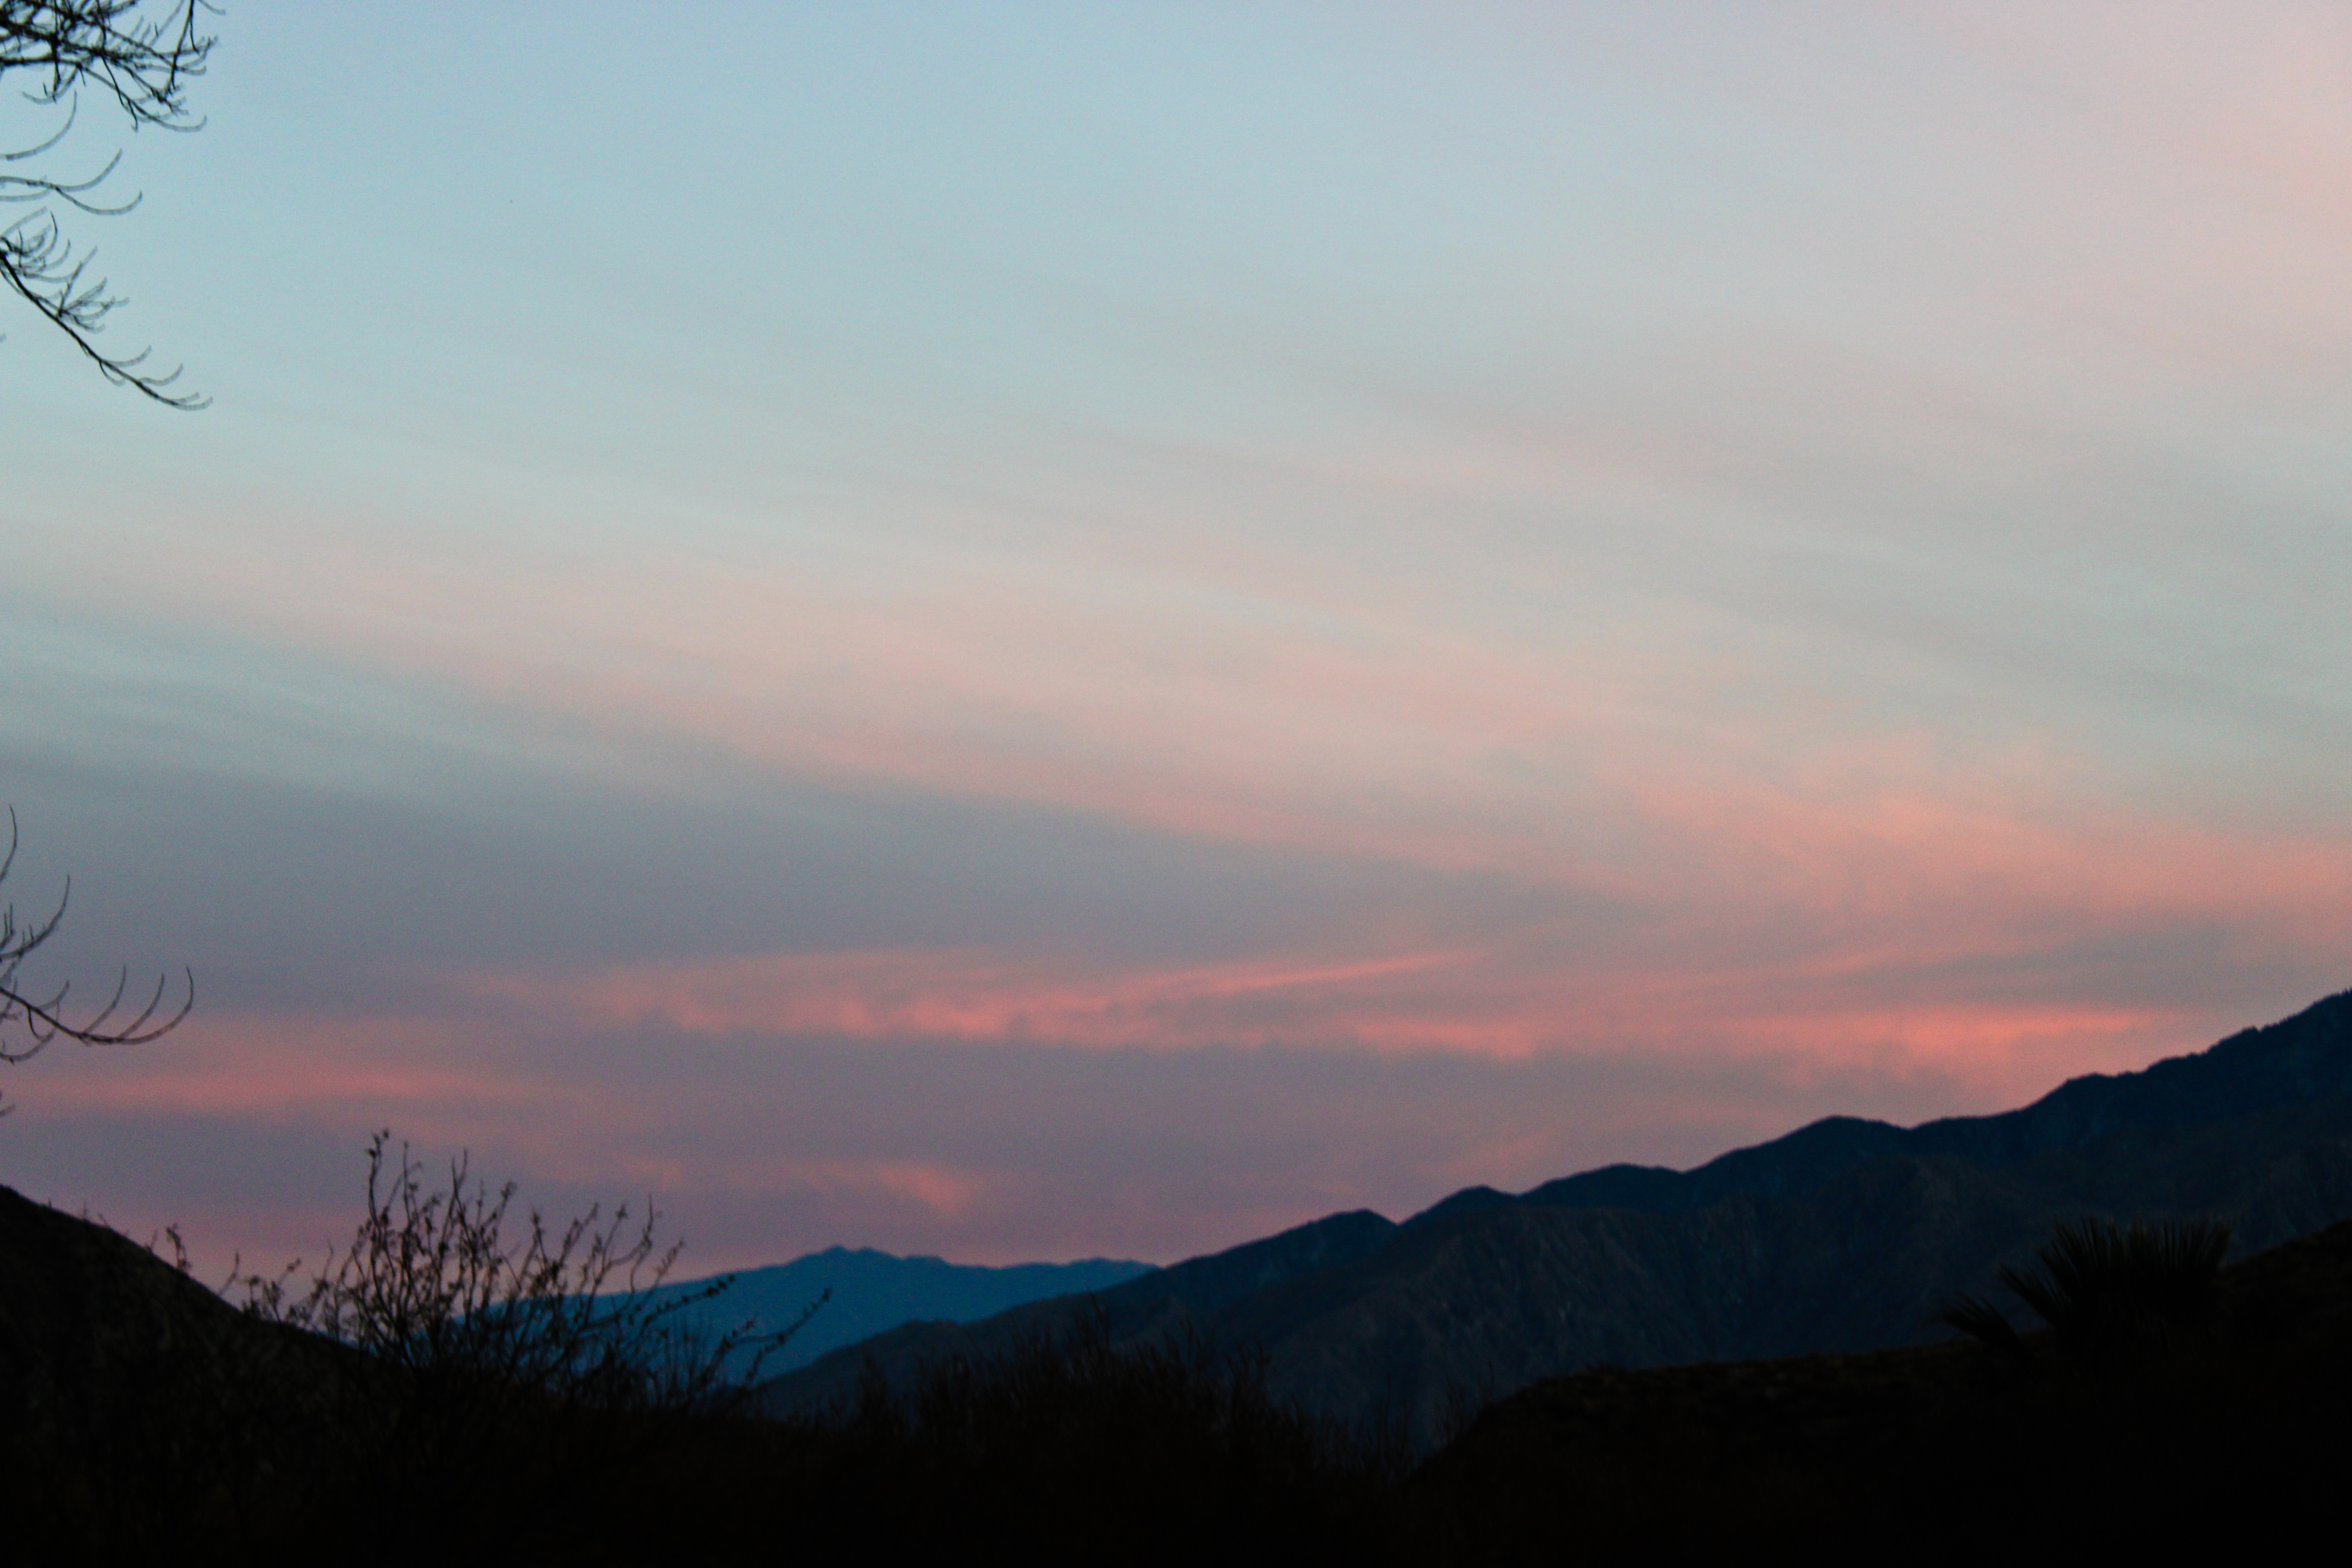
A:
(1030, 630)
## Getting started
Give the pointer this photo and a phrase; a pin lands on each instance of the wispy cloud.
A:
(1167, 619)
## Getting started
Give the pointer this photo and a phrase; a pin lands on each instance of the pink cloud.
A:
(941, 1191)
(968, 994)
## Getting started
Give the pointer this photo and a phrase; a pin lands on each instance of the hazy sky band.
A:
(1713, 564)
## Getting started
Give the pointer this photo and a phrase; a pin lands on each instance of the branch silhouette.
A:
(144, 65)
(34, 1021)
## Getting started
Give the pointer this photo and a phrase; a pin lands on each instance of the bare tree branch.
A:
(145, 65)
(35, 1021)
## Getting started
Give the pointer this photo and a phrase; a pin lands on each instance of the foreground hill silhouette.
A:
(115, 1367)
(1846, 1235)
(138, 1414)
(1950, 1451)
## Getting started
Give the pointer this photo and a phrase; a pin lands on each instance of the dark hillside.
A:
(114, 1364)
(145, 1418)
(1944, 1451)
(1192, 1291)
(1489, 1301)
(141, 1416)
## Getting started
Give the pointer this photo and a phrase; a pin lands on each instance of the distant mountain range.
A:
(873, 1292)
(136, 1405)
(1845, 1235)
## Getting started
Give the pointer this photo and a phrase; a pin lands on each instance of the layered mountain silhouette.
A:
(1846, 1235)
(2106, 1442)
(868, 1292)
(138, 1411)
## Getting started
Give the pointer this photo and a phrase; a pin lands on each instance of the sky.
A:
(1034, 631)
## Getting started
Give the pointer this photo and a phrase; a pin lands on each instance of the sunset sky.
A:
(1028, 631)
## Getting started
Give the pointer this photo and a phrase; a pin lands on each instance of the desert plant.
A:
(2104, 1288)
(438, 1285)
(490, 1359)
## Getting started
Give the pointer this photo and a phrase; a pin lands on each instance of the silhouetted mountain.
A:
(1846, 1235)
(1157, 1303)
(1489, 1301)
(874, 1292)
(115, 1365)
(2306, 1057)
(139, 1412)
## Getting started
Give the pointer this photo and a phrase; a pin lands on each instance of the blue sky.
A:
(1033, 631)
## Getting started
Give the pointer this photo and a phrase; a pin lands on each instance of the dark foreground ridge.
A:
(1753, 1368)
(1846, 1235)
(139, 1414)
(112, 1359)
(1948, 1452)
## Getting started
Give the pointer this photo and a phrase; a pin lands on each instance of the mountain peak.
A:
(2306, 1057)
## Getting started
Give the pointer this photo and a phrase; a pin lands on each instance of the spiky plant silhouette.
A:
(2105, 1288)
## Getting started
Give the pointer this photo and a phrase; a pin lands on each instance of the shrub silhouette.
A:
(2105, 1288)
(433, 1287)
(481, 1355)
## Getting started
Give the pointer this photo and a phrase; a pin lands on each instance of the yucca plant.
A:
(2104, 1288)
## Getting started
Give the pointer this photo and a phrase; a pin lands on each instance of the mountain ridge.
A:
(1843, 1235)
(868, 1292)
(2308, 1056)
